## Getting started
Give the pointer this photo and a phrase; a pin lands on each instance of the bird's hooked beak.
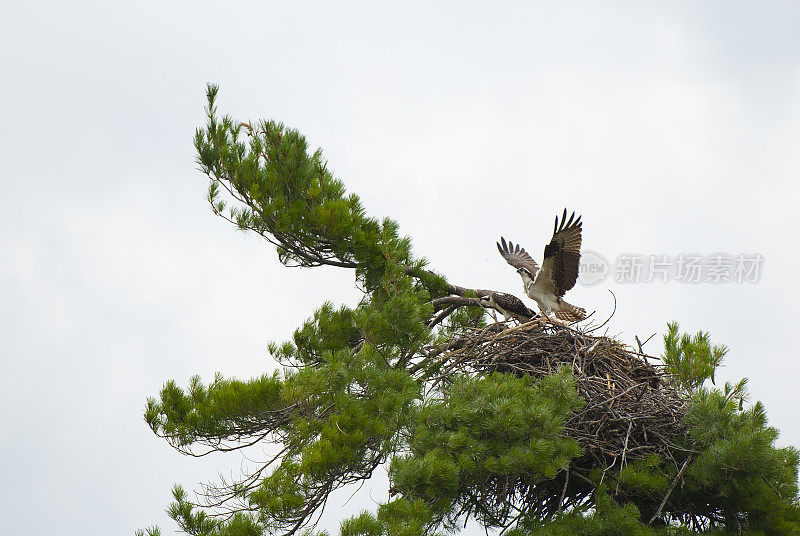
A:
(527, 278)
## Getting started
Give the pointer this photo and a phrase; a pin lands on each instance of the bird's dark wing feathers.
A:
(517, 256)
(512, 304)
(564, 251)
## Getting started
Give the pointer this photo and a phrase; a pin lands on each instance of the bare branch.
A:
(669, 491)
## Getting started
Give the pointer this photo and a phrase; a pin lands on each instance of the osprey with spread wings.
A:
(559, 269)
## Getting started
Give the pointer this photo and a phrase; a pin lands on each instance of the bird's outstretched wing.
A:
(563, 254)
(517, 256)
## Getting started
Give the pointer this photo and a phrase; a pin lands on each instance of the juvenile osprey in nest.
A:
(508, 305)
(559, 269)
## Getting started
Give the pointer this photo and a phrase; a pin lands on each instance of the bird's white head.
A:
(527, 278)
(486, 301)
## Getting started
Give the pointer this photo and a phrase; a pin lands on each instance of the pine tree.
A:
(363, 386)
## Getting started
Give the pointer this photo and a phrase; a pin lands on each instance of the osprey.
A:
(508, 305)
(559, 269)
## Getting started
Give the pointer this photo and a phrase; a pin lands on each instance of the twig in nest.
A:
(669, 491)
(607, 469)
(624, 451)
(564, 490)
(641, 344)
(609, 316)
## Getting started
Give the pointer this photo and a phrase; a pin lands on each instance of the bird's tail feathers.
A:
(570, 313)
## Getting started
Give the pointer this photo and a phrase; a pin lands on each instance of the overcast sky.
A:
(672, 129)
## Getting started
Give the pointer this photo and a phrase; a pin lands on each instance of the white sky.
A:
(671, 128)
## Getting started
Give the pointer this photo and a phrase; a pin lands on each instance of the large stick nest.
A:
(632, 409)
